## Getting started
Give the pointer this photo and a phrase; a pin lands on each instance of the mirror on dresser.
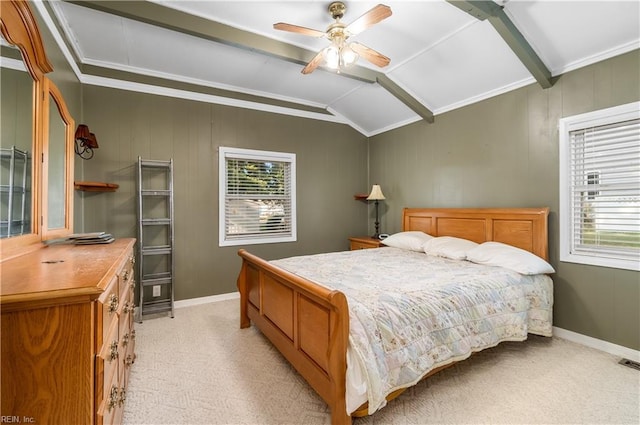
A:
(16, 145)
(36, 140)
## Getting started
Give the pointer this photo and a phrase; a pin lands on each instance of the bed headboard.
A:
(524, 228)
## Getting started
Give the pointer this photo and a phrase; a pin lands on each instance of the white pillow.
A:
(449, 247)
(510, 257)
(412, 240)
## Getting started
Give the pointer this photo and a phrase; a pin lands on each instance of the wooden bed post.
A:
(245, 322)
(337, 354)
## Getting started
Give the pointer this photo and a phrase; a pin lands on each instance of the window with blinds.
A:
(600, 187)
(257, 197)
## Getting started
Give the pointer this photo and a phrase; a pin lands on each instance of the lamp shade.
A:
(82, 132)
(91, 141)
(332, 56)
(376, 194)
(348, 56)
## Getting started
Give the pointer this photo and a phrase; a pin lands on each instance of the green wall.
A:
(503, 152)
(331, 168)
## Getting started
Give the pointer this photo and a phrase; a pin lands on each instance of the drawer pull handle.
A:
(123, 396)
(129, 360)
(113, 397)
(113, 303)
(125, 340)
(125, 276)
(113, 352)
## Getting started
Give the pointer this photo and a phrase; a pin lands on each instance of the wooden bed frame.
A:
(309, 324)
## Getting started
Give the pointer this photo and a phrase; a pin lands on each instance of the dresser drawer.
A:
(357, 245)
(110, 353)
(364, 242)
(125, 311)
(125, 276)
(109, 404)
(129, 357)
(127, 304)
(108, 306)
(107, 375)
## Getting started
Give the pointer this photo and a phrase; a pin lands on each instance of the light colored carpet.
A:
(201, 368)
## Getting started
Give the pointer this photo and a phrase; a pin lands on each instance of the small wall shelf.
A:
(96, 186)
(361, 196)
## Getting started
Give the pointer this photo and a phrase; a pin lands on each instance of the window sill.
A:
(614, 263)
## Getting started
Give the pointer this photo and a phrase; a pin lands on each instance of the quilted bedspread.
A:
(410, 313)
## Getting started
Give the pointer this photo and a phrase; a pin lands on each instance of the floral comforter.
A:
(410, 313)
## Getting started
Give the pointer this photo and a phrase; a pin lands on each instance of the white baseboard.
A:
(196, 301)
(205, 300)
(598, 344)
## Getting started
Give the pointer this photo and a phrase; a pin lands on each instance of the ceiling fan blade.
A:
(313, 64)
(371, 55)
(370, 18)
(298, 29)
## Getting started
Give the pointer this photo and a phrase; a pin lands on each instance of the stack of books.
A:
(83, 239)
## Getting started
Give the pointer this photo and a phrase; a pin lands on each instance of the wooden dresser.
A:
(67, 333)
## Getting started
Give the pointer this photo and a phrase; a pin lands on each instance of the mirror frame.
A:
(19, 27)
(53, 95)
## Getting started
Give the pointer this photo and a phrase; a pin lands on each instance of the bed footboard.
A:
(307, 323)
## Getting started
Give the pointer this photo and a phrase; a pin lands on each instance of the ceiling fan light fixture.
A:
(332, 56)
(348, 56)
(337, 57)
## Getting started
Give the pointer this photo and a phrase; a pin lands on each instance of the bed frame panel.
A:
(309, 324)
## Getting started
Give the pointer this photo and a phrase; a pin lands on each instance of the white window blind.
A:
(257, 197)
(602, 192)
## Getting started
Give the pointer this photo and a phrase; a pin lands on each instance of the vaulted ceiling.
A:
(444, 54)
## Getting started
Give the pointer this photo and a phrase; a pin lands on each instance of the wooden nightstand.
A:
(364, 242)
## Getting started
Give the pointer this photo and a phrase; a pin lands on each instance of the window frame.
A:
(254, 155)
(616, 114)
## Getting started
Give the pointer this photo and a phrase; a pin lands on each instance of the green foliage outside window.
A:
(256, 177)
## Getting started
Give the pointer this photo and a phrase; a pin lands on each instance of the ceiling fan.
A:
(341, 54)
